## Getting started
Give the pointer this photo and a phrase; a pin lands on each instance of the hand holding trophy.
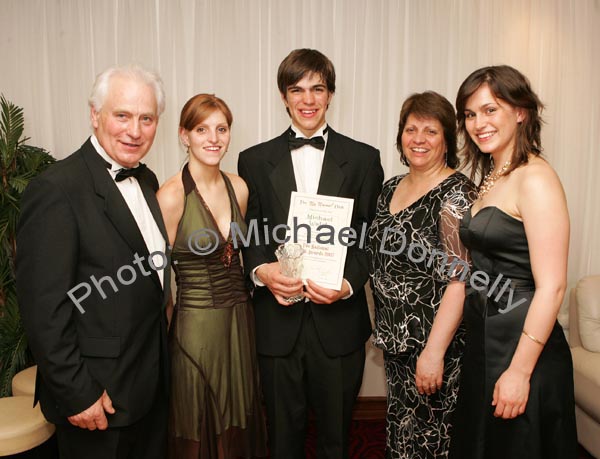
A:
(290, 264)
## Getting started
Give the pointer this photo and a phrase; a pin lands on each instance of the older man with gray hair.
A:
(91, 280)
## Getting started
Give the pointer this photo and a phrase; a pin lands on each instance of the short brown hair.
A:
(301, 62)
(200, 107)
(430, 104)
(511, 86)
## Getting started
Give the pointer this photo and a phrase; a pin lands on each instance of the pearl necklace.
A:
(490, 180)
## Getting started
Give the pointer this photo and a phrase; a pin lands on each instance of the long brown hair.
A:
(511, 86)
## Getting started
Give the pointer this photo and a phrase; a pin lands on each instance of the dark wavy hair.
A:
(511, 86)
(430, 104)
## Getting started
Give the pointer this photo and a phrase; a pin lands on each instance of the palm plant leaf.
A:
(12, 123)
(13, 346)
(19, 163)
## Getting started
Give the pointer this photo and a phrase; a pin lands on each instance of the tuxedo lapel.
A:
(150, 196)
(332, 175)
(282, 175)
(115, 206)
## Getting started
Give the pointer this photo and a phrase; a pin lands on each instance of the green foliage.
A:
(14, 353)
(19, 163)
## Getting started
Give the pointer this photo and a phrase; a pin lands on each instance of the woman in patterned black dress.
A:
(416, 267)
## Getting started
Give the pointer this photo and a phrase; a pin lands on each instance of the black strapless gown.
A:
(494, 322)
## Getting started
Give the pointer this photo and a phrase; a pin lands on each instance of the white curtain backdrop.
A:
(383, 51)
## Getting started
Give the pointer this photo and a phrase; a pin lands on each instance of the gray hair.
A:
(102, 83)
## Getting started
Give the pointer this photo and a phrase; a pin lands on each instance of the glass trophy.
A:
(290, 264)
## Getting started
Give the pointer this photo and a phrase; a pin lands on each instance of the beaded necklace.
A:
(490, 180)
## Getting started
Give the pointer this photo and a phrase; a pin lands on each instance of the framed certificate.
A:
(322, 225)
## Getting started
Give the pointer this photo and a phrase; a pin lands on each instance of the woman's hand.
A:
(511, 393)
(429, 372)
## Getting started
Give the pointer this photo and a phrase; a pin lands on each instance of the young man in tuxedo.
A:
(93, 280)
(311, 353)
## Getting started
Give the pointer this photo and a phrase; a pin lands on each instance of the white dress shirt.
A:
(308, 163)
(133, 196)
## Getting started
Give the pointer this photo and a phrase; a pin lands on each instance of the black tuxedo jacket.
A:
(75, 228)
(351, 170)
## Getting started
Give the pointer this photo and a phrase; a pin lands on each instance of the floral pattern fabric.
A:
(413, 255)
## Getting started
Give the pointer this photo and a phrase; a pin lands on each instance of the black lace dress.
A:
(413, 255)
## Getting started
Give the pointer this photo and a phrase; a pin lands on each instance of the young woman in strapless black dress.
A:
(516, 392)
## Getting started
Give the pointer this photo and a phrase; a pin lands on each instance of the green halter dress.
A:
(215, 406)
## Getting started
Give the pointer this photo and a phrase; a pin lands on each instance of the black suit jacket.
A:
(75, 229)
(350, 169)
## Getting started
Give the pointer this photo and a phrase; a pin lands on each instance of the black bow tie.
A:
(297, 142)
(124, 173)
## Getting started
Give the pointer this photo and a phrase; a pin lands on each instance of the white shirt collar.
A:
(114, 166)
(318, 133)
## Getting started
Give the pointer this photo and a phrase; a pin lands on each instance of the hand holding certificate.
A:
(320, 223)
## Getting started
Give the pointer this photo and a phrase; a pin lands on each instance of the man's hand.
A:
(94, 418)
(281, 286)
(322, 295)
